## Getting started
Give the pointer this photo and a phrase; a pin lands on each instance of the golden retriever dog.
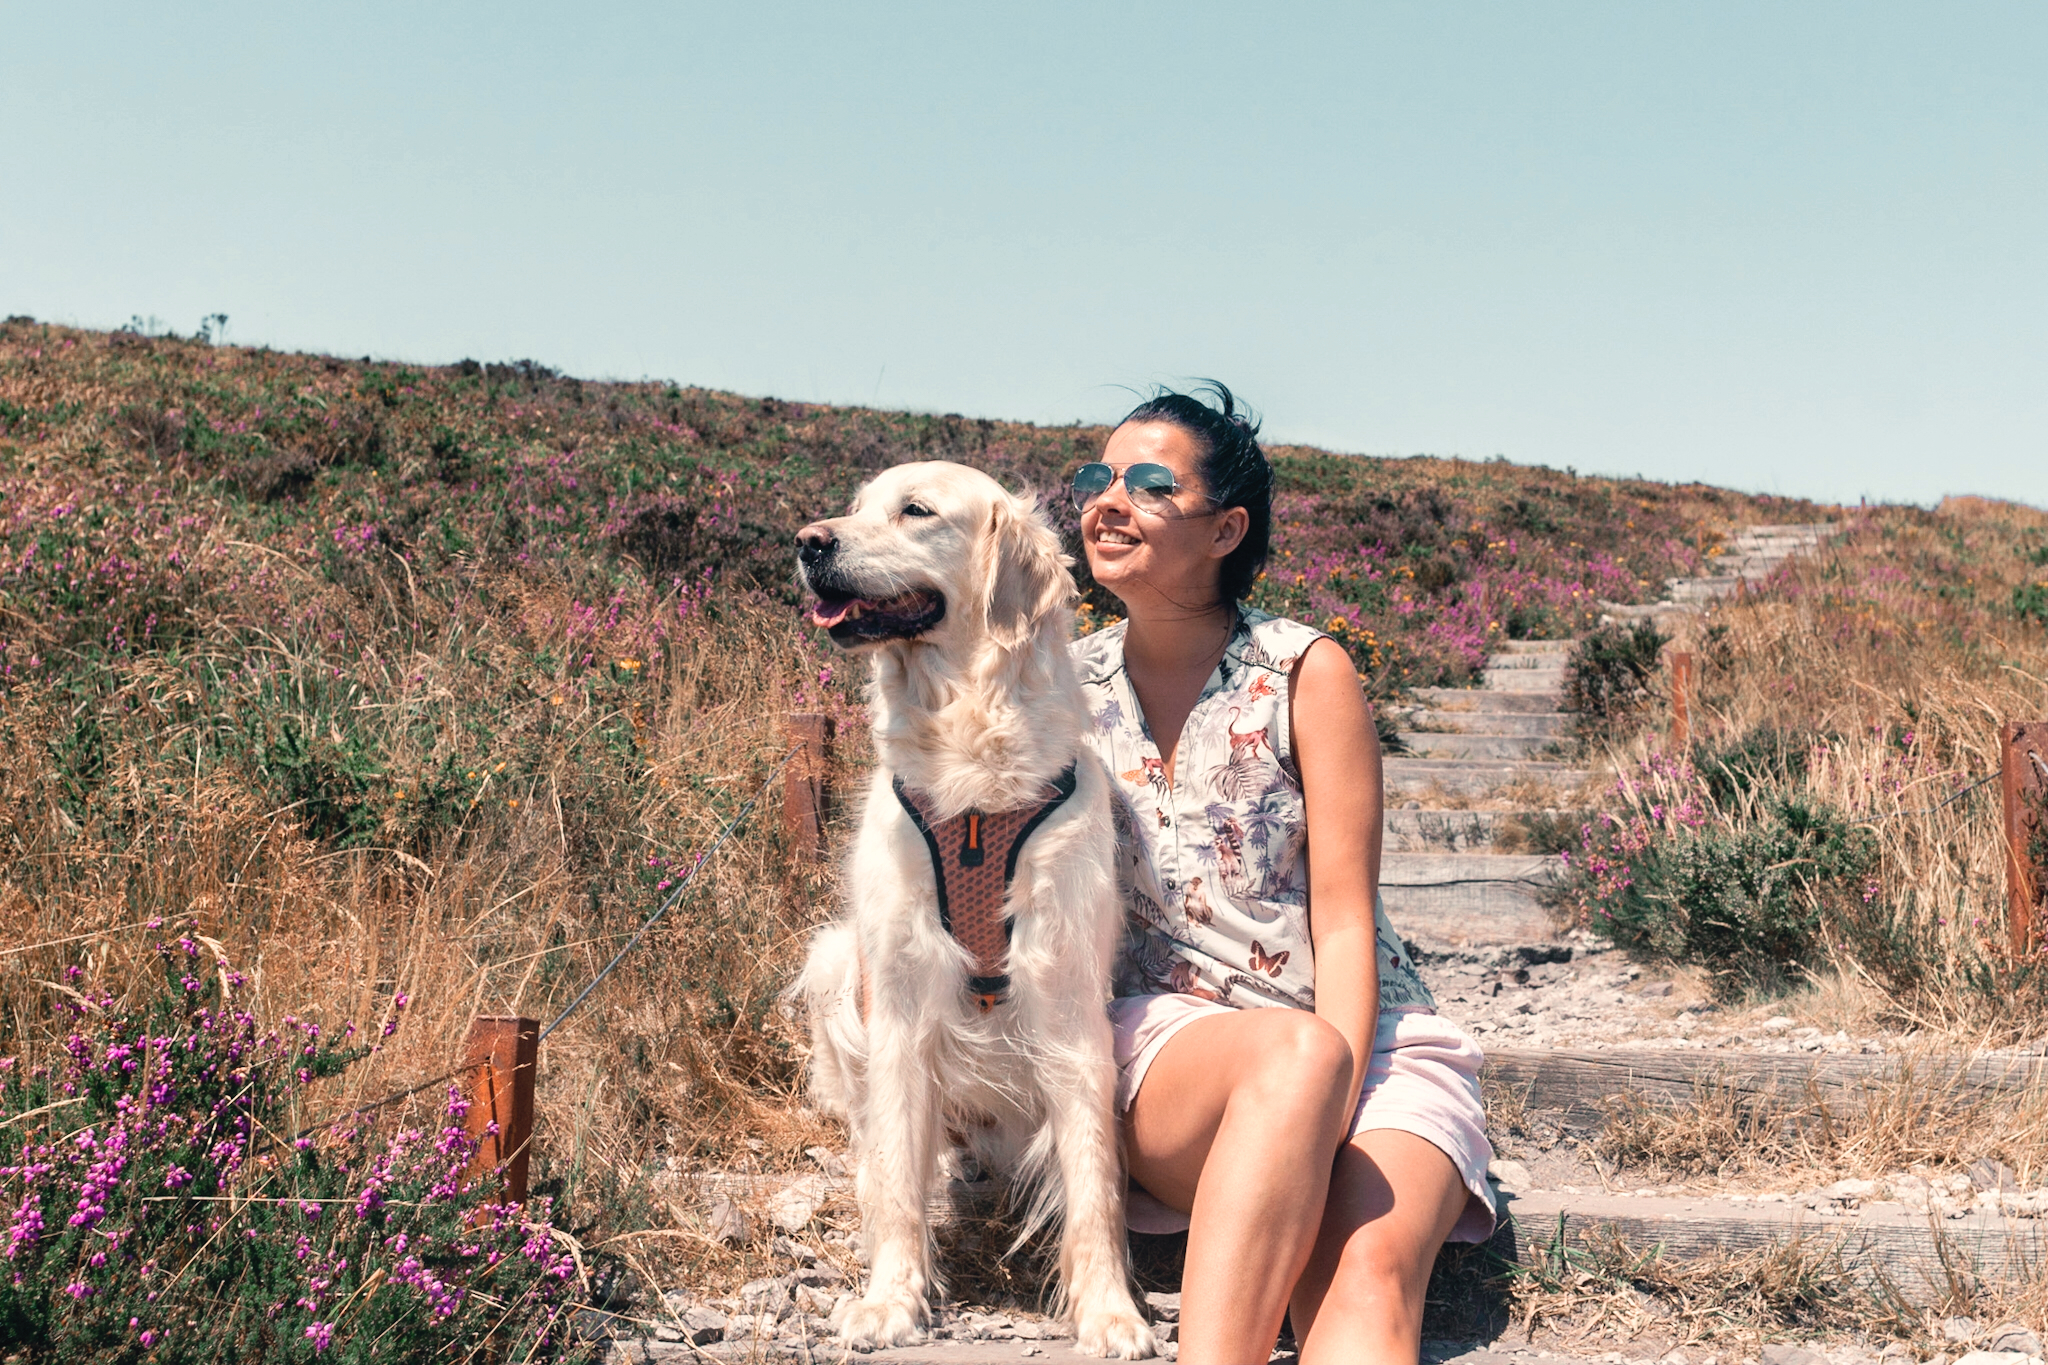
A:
(965, 988)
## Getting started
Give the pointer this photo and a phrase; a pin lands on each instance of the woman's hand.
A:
(1337, 750)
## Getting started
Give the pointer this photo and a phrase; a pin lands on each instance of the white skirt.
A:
(1424, 1079)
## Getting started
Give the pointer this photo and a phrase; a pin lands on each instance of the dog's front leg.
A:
(1081, 1095)
(896, 1170)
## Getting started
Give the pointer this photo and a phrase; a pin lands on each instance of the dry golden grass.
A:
(682, 1058)
(1895, 654)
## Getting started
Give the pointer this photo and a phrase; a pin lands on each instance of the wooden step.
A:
(1436, 744)
(1467, 899)
(1475, 777)
(1877, 1245)
(1550, 724)
(1466, 700)
(1447, 831)
(1549, 681)
(1578, 1086)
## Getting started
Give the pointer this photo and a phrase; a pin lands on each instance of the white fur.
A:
(981, 713)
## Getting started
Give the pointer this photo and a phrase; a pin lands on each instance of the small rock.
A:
(794, 1250)
(1959, 1329)
(1512, 1176)
(1780, 1354)
(1938, 1358)
(724, 1221)
(2016, 1336)
(1163, 1307)
(702, 1326)
(1851, 1191)
(1657, 990)
(829, 1161)
(1987, 1174)
(769, 1298)
(1776, 1024)
(793, 1207)
(1992, 1358)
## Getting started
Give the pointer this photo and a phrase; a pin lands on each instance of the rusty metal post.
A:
(2025, 788)
(803, 784)
(1681, 701)
(498, 1062)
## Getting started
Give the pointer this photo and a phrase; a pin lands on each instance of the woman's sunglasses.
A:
(1150, 487)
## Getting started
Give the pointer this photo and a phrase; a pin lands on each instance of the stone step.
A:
(1700, 589)
(1545, 680)
(1803, 530)
(1436, 744)
(1448, 831)
(1480, 700)
(1551, 724)
(1537, 646)
(1646, 611)
(1477, 777)
(1548, 659)
(1467, 899)
(1880, 1246)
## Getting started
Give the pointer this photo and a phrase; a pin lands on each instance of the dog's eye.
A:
(917, 509)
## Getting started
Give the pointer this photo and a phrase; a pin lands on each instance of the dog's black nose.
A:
(815, 542)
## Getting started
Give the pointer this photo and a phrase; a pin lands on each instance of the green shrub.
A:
(2030, 602)
(1675, 876)
(1608, 676)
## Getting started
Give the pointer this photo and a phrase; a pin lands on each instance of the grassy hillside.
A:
(394, 679)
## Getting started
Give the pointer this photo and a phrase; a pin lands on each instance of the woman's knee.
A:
(1302, 1069)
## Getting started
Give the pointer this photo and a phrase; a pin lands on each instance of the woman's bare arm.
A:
(1338, 752)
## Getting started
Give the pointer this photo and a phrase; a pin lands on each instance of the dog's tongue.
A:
(826, 615)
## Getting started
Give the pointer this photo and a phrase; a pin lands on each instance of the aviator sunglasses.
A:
(1150, 487)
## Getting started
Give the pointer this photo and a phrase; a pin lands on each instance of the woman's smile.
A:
(1108, 535)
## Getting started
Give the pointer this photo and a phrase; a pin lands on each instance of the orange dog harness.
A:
(967, 853)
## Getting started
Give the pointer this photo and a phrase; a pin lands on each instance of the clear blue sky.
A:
(1793, 247)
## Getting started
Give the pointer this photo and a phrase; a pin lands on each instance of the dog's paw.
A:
(871, 1324)
(1119, 1333)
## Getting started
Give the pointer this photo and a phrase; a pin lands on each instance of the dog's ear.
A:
(1024, 575)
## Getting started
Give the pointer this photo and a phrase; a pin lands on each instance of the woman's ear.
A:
(1024, 575)
(1231, 524)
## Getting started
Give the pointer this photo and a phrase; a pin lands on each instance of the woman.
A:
(1288, 1094)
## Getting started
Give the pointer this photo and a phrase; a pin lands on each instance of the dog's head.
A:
(935, 552)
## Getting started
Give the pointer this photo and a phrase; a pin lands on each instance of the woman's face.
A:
(1174, 559)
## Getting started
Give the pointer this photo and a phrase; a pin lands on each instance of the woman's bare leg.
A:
(1393, 1199)
(1235, 1124)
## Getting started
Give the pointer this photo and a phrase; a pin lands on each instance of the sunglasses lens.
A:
(1150, 486)
(1150, 478)
(1090, 482)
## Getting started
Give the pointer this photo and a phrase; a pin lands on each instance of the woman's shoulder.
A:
(1099, 654)
(1275, 642)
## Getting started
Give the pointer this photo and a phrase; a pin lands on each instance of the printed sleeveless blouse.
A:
(1214, 866)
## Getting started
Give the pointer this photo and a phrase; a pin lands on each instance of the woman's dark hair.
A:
(1232, 466)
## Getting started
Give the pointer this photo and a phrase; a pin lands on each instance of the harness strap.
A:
(972, 903)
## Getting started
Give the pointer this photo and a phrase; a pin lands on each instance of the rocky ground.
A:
(1578, 992)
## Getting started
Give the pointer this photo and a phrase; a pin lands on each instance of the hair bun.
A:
(1232, 466)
